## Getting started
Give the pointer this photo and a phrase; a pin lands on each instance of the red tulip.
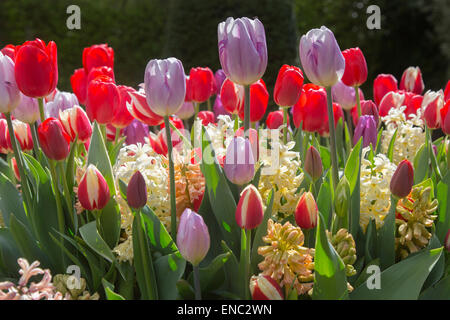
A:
(447, 241)
(76, 123)
(275, 119)
(445, 118)
(232, 96)
(447, 92)
(368, 108)
(265, 288)
(201, 84)
(176, 139)
(259, 98)
(249, 210)
(355, 73)
(141, 111)
(98, 55)
(79, 84)
(122, 117)
(103, 99)
(15, 168)
(207, 117)
(23, 134)
(389, 101)
(10, 51)
(383, 84)
(157, 143)
(288, 86)
(54, 140)
(311, 108)
(306, 211)
(402, 180)
(412, 80)
(93, 191)
(412, 102)
(431, 105)
(101, 71)
(36, 68)
(5, 147)
(111, 132)
(338, 113)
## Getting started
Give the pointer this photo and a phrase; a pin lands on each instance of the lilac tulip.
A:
(218, 108)
(136, 132)
(366, 128)
(186, 111)
(344, 95)
(62, 101)
(9, 92)
(192, 237)
(321, 57)
(368, 108)
(242, 49)
(219, 77)
(165, 86)
(27, 110)
(239, 164)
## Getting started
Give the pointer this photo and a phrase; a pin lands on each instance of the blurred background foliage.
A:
(413, 32)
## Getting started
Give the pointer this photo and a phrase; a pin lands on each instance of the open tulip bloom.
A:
(111, 179)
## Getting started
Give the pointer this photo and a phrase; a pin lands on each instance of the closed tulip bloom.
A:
(54, 140)
(355, 73)
(311, 108)
(36, 68)
(5, 147)
(383, 84)
(192, 237)
(344, 95)
(288, 86)
(249, 210)
(432, 104)
(22, 132)
(321, 57)
(275, 119)
(78, 81)
(232, 96)
(76, 123)
(338, 113)
(389, 101)
(186, 111)
(412, 101)
(445, 118)
(61, 102)
(201, 83)
(306, 211)
(98, 55)
(242, 49)
(219, 78)
(367, 129)
(265, 288)
(447, 241)
(207, 117)
(412, 80)
(101, 71)
(402, 180)
(254, 140)
(93, 190)
(27, 110)
(103, 98)
(10, 51)
(137, 191)
(165, 86)
(313, 163)
(9, 91)
(447, 92)
(368, 108)
(136, 132)
(259, 98)
(218, 108)
(239, 165)
(122, 117)
(140, 110)
(158, 143)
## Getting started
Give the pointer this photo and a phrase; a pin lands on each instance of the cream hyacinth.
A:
(375, 193)
(410, 134)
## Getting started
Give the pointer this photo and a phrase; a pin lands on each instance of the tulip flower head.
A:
(165, 86)
(137, 191)
(242, 49)
(447, 92)
(259, 98)
(93, 191)
(432, 104)
(306, 211)
(412, 80)
(27, 110)
(219, 78)
(355, 73)
(140, 110)
(249, 210)
(367, 129)
(265, 288)
(402, 180)
(54, 140)
(313, 163)
(218, 107)
(445, 118)
(61, 102)
(232, 96)
(275, 119)
(321, 57)
(122, 117)
(136, 133)
(10, 51)
(22, 132)
(344, 95)
(98, 55)
(9, 91)
(207, 117)
(78, 81)
(288, 86)
(103, 99)
(5, 145)
(186, 111)
(389, 101)
(383, 84)
(76, 123)
(193, 237)
(239, 164)
(201, 84)
(311, 108)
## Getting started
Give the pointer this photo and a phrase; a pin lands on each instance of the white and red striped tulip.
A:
(432, 104)
(306, 211)
(76, 122)
(412, 80)
(140, 110)
(249, 211)
(93, 191)
(265, 288)
(23, 134)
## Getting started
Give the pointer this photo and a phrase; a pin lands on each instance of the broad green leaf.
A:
(169, 269)
(232, 271)
(378, 146)
(440, 291)
(386, 238)
(109, 223)
(213, 275)
(9, 253)
(443, 195)
(352, 166)
(11, 202)
(438, 270)
(90, 235)
(365, 274)
(326, 156)
(390, 151)
(371, 241)
(403, 280)
(159, 239)
(324, 201)
(421, 164)
(109, 291)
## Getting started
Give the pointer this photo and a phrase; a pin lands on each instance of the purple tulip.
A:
(366, 128)
(239, 165)
(192, 237)
(219, 77)
(368, 108)
(61, 102)
(186, 111)
(218, 108)
(137, 191)
(136, 132)
(242, 49)
(27, 110)
(321, 57)
(165, 86)
(344, 95)
(9, 92)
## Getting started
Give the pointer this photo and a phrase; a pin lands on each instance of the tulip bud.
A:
(54, 140)
(275, 119)
(239, 165)
(313, 163)
(306, 211)
(136, 133)
(93, 191)
(342, 197)
(368, 108)
(383, 84)
(402, 179)
(192, 237)
(355, 73)
(447, 241)
(432, 103)
(249, 211)
(367, 129)
(76, 122)
(412, 80)
(265, 288)
(137, 191)
(9, 91)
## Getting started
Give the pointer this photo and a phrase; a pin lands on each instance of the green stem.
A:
(196, 108)
(103, 131)
(247, 111)
(358, 101)
(242, 264)
(37, 154)
(236, 122)
(41, 108)
(285, 116)
(334, 162)
(173, 205)
(198, 291)
(116, 137)
(67, 193)
(9, 157)
(348, 117)
(248, 263)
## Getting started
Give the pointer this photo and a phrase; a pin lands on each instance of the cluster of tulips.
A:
(47, 135)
